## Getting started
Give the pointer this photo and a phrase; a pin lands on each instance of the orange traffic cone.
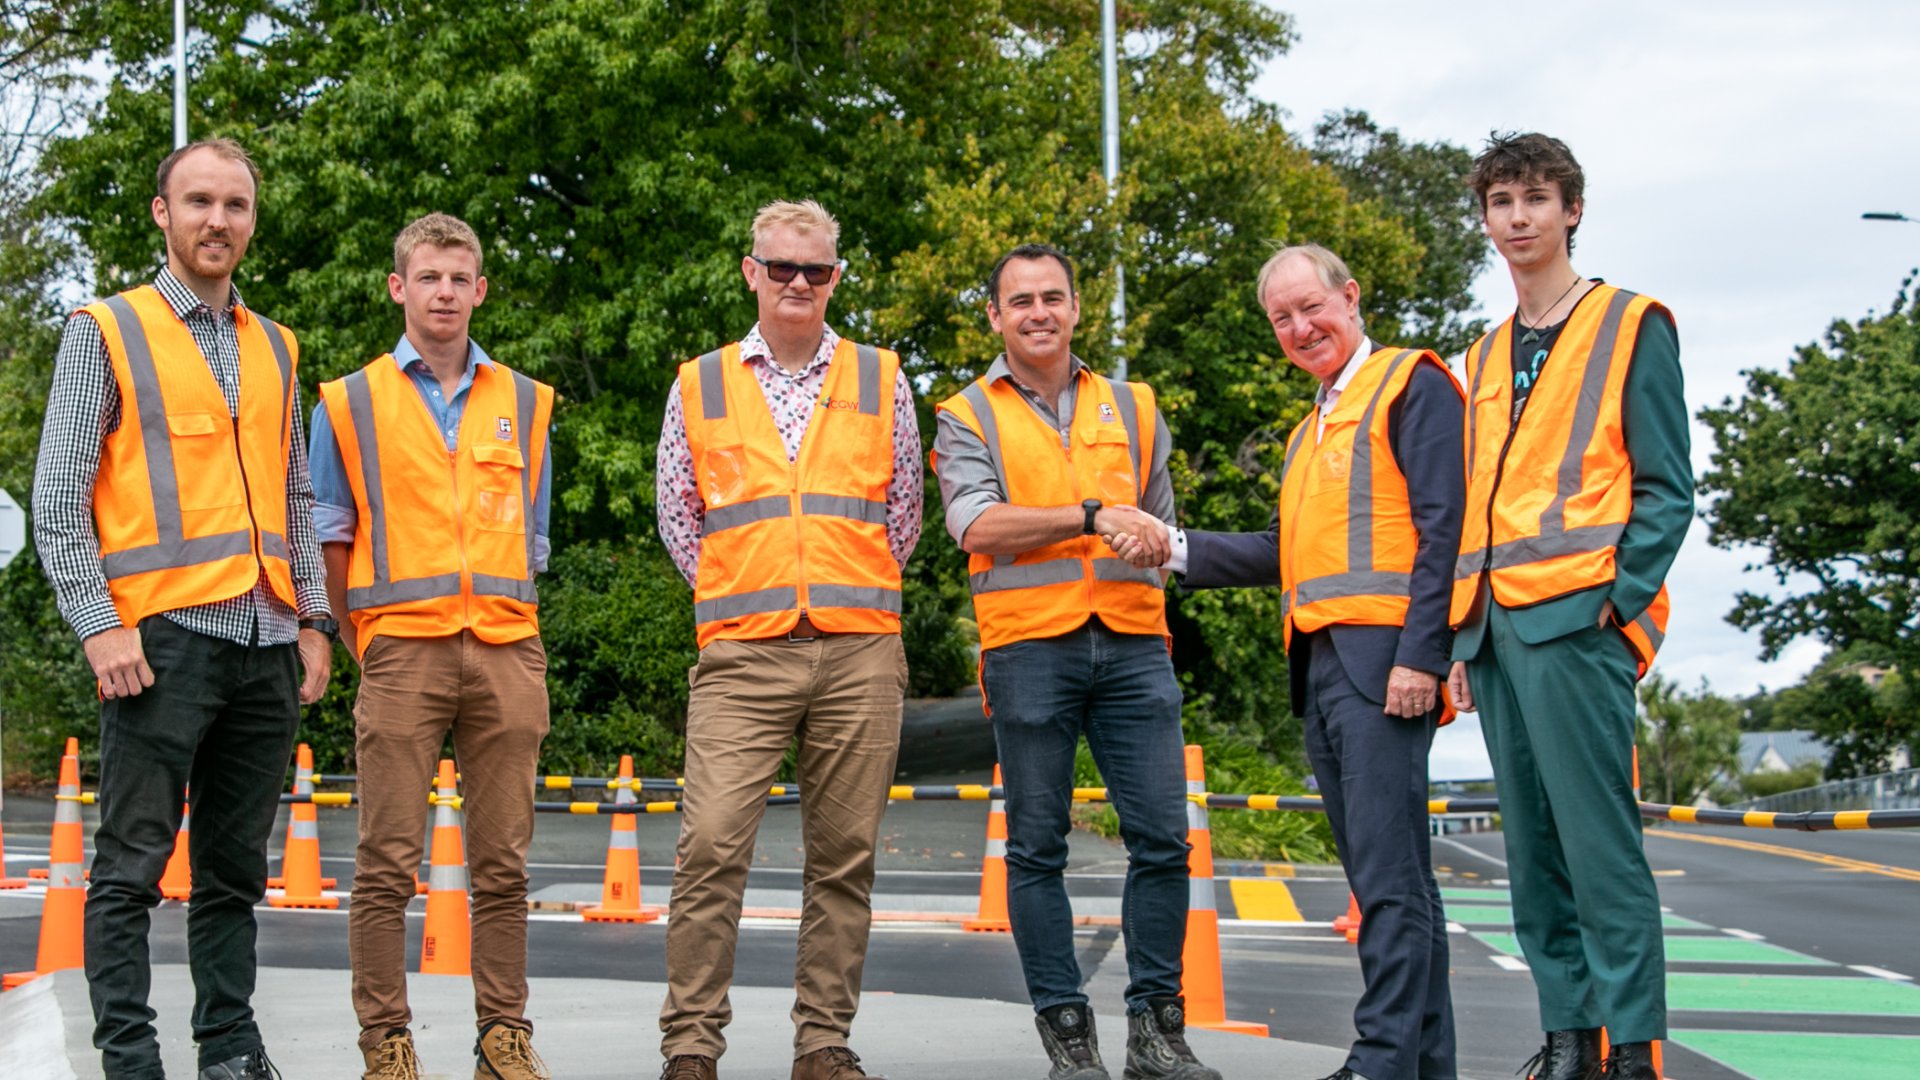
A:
(302, 785)
(1349, 924)
(446, 946)
(992, 915)
(620, 894)
(62, 941)
(301, 862)
(1200, 982)
(177, 882)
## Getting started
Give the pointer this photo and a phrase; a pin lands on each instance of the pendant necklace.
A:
(1533, 332)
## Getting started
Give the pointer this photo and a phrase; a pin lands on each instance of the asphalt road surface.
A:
(1790, 955)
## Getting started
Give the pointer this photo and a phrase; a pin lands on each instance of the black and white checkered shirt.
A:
(83, 408)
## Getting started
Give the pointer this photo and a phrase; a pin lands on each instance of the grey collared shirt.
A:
(969, 483)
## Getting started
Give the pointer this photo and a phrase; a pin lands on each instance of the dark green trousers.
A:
(1559, 723)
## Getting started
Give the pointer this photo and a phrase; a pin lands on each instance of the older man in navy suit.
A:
(1363, 544)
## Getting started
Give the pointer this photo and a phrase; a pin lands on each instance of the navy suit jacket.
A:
(1425, 427)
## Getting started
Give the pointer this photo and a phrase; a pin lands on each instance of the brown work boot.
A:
(830, 1063)
(506, 1053)
(689, 1067)
(393, 1059)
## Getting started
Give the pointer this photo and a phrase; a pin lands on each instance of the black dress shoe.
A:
(1343, 1074)
(252, 1065)
(1631, 1061)
(1566, 1055)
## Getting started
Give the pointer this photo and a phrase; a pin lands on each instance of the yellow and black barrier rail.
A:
(789, 795)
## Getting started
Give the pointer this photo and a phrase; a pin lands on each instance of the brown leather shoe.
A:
(830, 1063)
(689, 1067)
(506, 1053)
(393, 1058)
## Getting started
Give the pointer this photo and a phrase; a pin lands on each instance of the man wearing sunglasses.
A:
(789, 492)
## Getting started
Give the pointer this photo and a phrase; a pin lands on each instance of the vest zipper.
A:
(259, 560)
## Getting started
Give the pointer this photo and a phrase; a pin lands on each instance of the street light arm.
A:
(1883, 215)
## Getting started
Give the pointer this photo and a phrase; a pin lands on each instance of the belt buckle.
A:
(814, 632)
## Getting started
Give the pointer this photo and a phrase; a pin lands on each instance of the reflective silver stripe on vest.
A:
(525, 398)
(520, 589)
(734, 515)
(1112, 569)
(870, 597)
(758, 602)
(1555, 539)
(171, 550)
(713, 387)
(277, 340)
(403, 592)
(1647, 627)
(1473, 392)
(869, 358)
(871, 511)
(1130, 417)
(976, 395)
(273, 545)
(1360, 578)
(1026, 575)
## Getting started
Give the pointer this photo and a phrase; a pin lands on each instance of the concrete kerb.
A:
(591, 1029)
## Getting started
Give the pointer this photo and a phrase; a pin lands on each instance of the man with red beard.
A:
(174, 516)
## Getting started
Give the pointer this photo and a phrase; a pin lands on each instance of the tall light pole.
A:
(179, 73)
(1111, 108)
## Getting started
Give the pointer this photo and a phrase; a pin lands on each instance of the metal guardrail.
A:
(1885, 791)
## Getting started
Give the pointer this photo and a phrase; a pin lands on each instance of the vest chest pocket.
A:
(722, 474)
(1110, 457)
(498, 500)
(206, 464)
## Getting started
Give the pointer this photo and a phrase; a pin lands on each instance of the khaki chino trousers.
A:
(494, 699)
(840, 695)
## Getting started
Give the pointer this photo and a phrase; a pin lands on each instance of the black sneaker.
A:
(1066, 1031)
(252, 1065)
(1157, 1044)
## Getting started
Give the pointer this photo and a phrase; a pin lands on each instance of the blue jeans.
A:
(1119, 690)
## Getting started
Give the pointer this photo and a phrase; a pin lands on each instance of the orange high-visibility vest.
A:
(1347, 538)
(783, 539)
(1547, 502)
(191, 501)
(442, 541)
(1106, 455)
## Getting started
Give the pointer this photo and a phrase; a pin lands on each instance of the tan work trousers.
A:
(841, 695)
(494, 698)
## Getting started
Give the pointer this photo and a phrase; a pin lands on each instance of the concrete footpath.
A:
(595, 1029)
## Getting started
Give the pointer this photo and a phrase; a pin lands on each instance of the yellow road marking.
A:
(1264, 898)
(1836, 861)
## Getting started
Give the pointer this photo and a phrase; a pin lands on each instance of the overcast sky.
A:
(1729, 151)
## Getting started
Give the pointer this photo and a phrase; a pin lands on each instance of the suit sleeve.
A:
(1225, 560)
(1425, 428)
(1654, 421)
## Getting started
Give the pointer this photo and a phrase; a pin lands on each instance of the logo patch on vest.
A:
(1106, 413)
(503, 427)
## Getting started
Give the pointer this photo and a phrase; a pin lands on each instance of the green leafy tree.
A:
(1687, 742)
(610, 156)
(1818, 467)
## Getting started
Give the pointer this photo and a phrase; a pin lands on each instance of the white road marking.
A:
(1879, 973)
(1475, 852)
(1509, 963)
(1743, 935)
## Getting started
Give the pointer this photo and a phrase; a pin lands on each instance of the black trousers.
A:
(221, 717)
(1372, 770)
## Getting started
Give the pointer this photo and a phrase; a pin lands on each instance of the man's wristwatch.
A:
(329, 627)
(1092, 507)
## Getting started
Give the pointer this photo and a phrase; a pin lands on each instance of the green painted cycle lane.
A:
(1492, 915)
(1765, 1055)
(1695, 949)
(1803, 994)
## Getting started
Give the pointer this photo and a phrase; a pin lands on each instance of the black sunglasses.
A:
(782, 271)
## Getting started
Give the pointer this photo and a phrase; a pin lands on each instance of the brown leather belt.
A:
(804, 630)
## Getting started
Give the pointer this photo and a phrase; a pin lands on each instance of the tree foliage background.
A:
(611, 153)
